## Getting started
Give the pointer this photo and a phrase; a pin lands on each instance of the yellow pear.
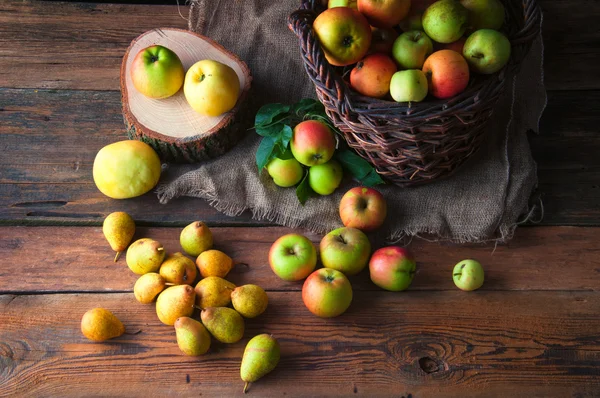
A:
(99, 324)
(178, 269)
(261, 356)
(196, 238)
(192, 337)
(145, 255)
(249, 300)
(118, 228)
(213, 291)
(148, 286)
(214, 263)
(223, 323)
(175, 302)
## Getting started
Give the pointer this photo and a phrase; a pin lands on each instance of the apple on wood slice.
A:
(170, 125)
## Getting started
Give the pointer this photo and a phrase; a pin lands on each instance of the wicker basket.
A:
(427, 140)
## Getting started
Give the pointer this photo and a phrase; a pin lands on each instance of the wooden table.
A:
(532, 330)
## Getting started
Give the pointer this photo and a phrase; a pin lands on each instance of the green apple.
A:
(342, 3)
(325, 178)
(445, 21)
(211, 87)
(157, 72)
(285, 170)
(411, 49)
(292, 257)
(468, 275)
(486, 51)
(346, 250)
(327, 293)
(392, 268)
(408, 85)
(484, 14)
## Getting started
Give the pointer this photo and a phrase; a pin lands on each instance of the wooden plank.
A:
(489, 344)
(91, 39)
(64, 259)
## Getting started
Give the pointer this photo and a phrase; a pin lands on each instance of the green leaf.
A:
(307, 105)
(264, 153)
(269, 113)
(359, 168)
(303, 190)
(285, 136)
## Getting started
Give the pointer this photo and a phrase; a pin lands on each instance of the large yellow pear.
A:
(211, 88)
(126, 169)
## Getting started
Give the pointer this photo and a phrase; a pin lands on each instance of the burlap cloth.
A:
(485, 200)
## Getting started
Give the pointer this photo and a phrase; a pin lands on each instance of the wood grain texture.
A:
(491, 344)
(78, 259)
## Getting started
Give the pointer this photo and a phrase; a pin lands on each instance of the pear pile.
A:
(178, 286)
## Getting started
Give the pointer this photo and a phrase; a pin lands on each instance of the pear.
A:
(196, 238)
(213, 291)
(178, 269)
(192, 337)
(100, 324)
(118, 228)
(225, 324)
(145, 255)
(214, 263)
(249, 300)
(148, 286)
(261, 356)
(175, 302)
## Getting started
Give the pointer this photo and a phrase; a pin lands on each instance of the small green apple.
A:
(408, 85)
(285, 170)
(411, 49)
(468, 275)
(486, 51)
(445, 21)
(157, 72)
(292, 257)
(325, 178)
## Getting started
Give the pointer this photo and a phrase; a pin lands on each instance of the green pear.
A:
(225, 324)
(249, 300)
(196, 238)
(213, 291)
(118, 228)
(192, 337)
(100, 324)
(145, 255)
(148, 286)
(261, 356)
(178, 269)
(175, 302)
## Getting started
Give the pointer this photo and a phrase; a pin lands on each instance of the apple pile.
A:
(211, 88)
(407, 49)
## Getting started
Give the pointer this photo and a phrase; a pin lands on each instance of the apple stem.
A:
(246, 387)
(117, 256)
(478, 56)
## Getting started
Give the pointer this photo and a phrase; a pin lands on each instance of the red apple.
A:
(384, 13)
(344, 34)
(382, 40)
(392, 268)
(372, 75)
(327, 293)
(447, 73)
(292, 257)
(312, 142)
(363, 208)
(346, 250)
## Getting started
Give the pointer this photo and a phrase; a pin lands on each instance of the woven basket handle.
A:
(318, 68)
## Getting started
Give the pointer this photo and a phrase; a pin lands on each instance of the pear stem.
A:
(246, 386)
(117, 256)
(198, 307)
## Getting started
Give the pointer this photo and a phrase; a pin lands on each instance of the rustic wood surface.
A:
(532, 330)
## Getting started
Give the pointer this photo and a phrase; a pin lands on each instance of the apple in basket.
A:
(157, 72)
(382, 40)
(211, 87)
(445, 21)
(363, 208)
(447, 73)
(344, 34)
(484, 14)
(409, 86)
(486, 51)
(384, 13)
(341, 3)
(312, 142)
(327, 293)
(411, 49)
(292, 257)
(372, 75)
(412, 21)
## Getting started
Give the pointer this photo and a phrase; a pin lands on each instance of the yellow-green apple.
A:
(454, 46)
(384, 13)
(408, 86)
(346, 250)
(312, 142)
(126, 169)
(468, 275)
(445, 21)
(327, 293)
(392, 268)
(486, 51)
(447, 73)
(344, 34)
(484, 14)
(325, 178)
(342, 3)
(372, 75)
(363, 208)
(211, 87)
(285, 170)
(292, 257)
(382, 40)
(411, 49)
(412, 21)
(157, 72)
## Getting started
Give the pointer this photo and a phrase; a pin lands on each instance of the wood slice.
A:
(170, 125)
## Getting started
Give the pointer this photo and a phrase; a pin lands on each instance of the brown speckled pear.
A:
(99, 324)
(261, 356)
(196, 238)
(178, 269)
(118, 228)
(213, 291)
(192, 337)
(249, 300)
(145, 255)
(223, 323)
(175, 302)
(148, 286)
